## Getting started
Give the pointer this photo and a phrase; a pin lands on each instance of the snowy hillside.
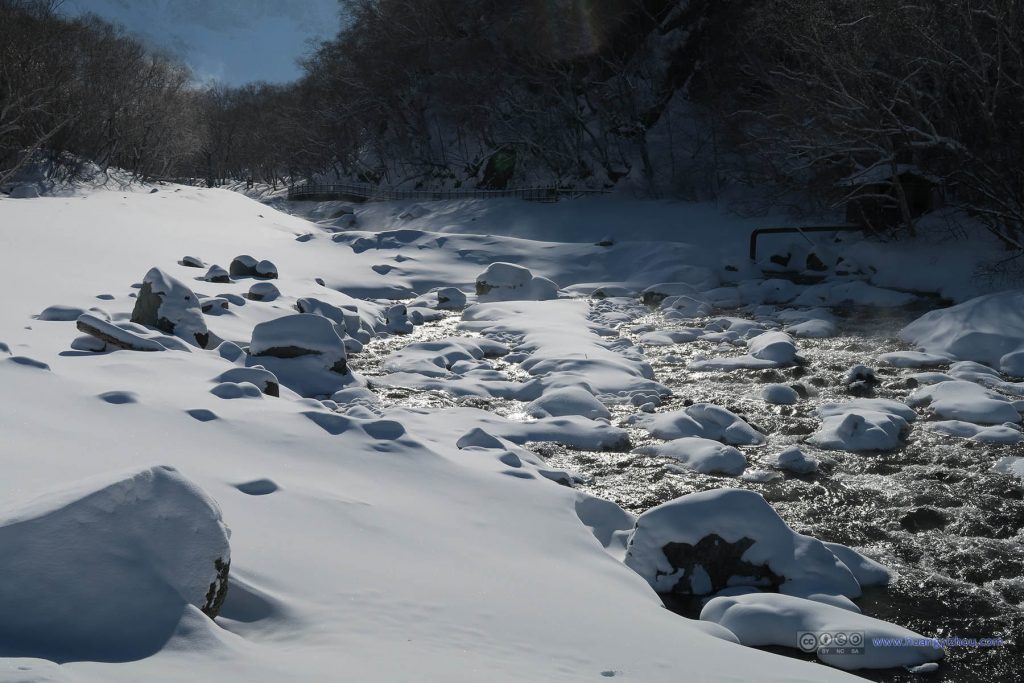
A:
(322, 418)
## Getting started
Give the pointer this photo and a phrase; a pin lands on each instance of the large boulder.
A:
(167, 304)
(304, 351)
(105, 571)
(702, 543)
(509, 282)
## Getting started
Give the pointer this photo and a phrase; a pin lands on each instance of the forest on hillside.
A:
(914, 105)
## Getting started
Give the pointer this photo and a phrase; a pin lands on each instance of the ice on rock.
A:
(780, 394)
(794, 460)
(766, 619)
(966, 401)
(704, 420)
(166, 304)
(509, 282)
(568, 401)
(106, 571)
(984, 329)
(700, 455)
(701, 543)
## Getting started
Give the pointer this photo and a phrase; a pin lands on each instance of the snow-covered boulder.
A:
(260, 377)
(451, 298)
(763, 619)
(863, 425)
(263, 291)
(704, 420)
(779, 394)
(25, 191)
(347, 318)
(701, 543)
(1001, 434)
(396, 320)
(167, 304)
(266, 269)
(509, 282)
(192, 262)
(700, 455)
(217, 274)
(794, 460)
(243, 266)
(966, 401)
(304, 351)
(984, 329)
(567, 401)
(103, 571)
(913, 359)
(110, 334)
(777, 347)
(815, 328)
(60, 313)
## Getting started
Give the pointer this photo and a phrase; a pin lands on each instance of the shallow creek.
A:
(933, 511)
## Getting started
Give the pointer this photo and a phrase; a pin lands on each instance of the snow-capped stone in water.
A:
(967, 401)
(862, 425)
(1010, 465)
(860, 373)
(104, 570)
(983, 329)
(913, 359)
(780, 394)
(396, 319)
(298, 336)
(26, 191)
(777, 347)
(266, 269)
(243, 266)
(112, 335)
(263, 291)
(192, 262)
(700, 455)
(568, 401)
(813, 329)
(1012, 364)
(1003, 434)
(794, 460)
(509, 282)
(168, 305)
(258, 376)
(765, 619)
(701, 543)
(451, 298)
(217, 274)
(704, 420)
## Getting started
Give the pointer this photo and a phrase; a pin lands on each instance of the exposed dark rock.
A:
(720, 561)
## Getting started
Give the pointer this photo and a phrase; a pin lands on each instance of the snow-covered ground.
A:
(380, 542)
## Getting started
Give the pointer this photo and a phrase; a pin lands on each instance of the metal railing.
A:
(801, 230)
(316, 191)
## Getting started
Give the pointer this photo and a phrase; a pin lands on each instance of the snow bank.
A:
(105, 570)
(762, 619)
(983, 329)
(700, 455)
(678, 547)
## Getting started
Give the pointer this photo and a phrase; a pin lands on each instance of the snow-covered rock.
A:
(396, 319)
(701, 455)
(1004, 434)
(703, 542)
(794, 460)
(266, 269)
(984, 329)
(112, 335)
(669, 337)
(167, 304)
(763, 619)
(567, 401)
(192, 262)
(813, 329)
(509, 282)
(243, 266)
(913, 359)
(304, 351)
(777, 347)
(60, 313)
(703, 420)
(451, 298)
(103, 571)
(967, 401)
(217, 274)
(779, 394)
(260, 377)
(263, 291)
(862, 425)
(25, 191)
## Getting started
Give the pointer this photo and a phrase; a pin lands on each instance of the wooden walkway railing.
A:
(367, 193)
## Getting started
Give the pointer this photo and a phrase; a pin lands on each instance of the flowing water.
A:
(932, 510)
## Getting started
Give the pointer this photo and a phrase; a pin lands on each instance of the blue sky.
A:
(229, 41)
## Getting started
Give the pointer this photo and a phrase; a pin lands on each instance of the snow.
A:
(1010, 465)
(761, 619)
(983, 329)
(147, 544)
(779, 394)
(175, 311)
(813, 329)
(509, 282)
(766, 350)
(568, 401)
(700, 455)
(1005, 434)
(863, 425)
(966, 401)
(794, 460)
(733, 514)
(701, 420)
